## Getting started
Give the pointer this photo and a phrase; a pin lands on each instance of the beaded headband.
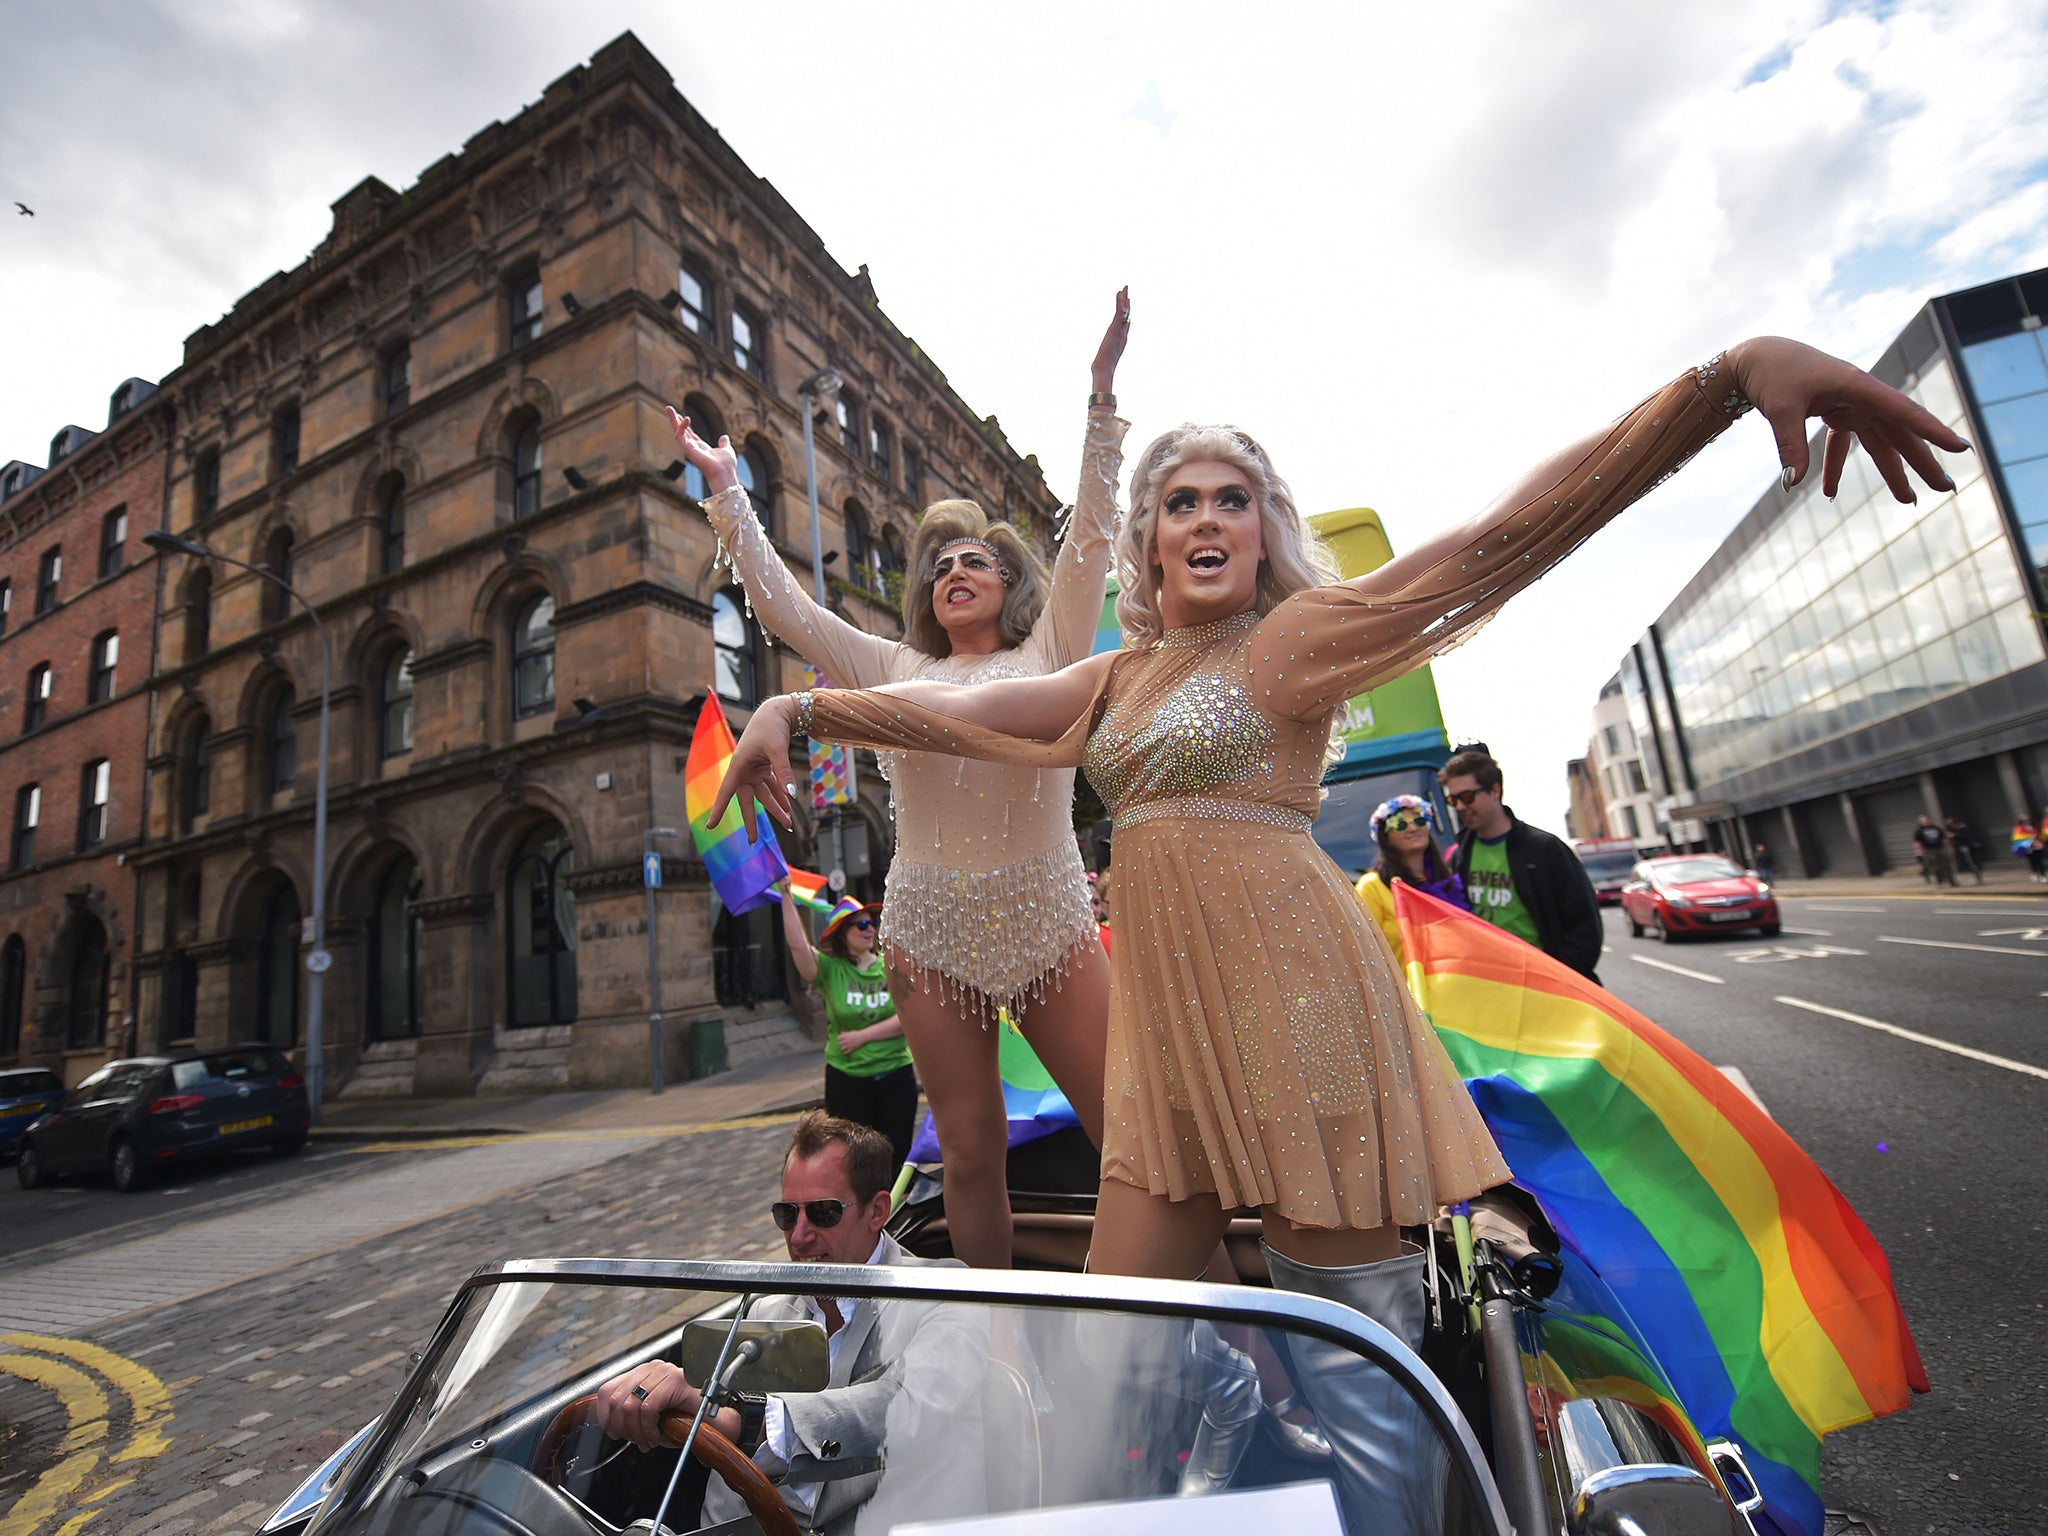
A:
(1009, 577)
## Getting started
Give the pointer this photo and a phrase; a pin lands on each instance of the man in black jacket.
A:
(1516, 876)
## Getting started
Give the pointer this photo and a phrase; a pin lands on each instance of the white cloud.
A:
(1411, 248)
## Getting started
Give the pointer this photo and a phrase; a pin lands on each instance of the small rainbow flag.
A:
(742, 873)
(810, 889)
(1032, 1101)
(1758, 1290)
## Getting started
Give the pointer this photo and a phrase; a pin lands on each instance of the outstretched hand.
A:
(1789, 383)
(1113, 340)
(760, 771)
(719, 466)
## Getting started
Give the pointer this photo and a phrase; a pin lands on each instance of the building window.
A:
(533, 659)
(195, 772)
(397, 995)
(881, 446)
(277, 970)
(49, 572)
(85, 989)
(694, 296)
(106, 656)
(526, 471)
(284, 742)
(397, 380)
(206, 485)
(849, 424)
(277, 564)
(13, 986)
(395, 705)
(863, 558)
(284, 442)
(93, 788)
(35, 708)
(394, 528)
(6, 603)
(753, 472)
(198, 614)
(113, 541)
(541, 931)
(1637, 784)
(1630, 826)
(1613, 740)
(527, 302)
(732, 640)
(913, 473)
(710, 426)
(747, 353)
(28, 814)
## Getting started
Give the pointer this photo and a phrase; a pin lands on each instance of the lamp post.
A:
(650, 877)
(817, 391)
(317, 960)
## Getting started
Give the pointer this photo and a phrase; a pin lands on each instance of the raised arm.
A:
(1353, 635)
(1066, 629)
(1036, 722)
(848, 655)
(801, 954)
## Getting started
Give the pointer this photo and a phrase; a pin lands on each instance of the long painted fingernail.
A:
(1968, 446)
(1789, 478)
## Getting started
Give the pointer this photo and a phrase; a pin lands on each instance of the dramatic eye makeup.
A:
(1230, 498)
(965, 562)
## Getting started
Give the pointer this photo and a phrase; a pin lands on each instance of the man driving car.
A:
(898, 1367)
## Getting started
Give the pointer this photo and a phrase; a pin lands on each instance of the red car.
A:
(1696, 893)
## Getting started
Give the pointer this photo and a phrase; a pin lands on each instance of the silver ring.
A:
(640, 1392)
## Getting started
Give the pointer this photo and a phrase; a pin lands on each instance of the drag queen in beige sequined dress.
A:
(987, 903)
(1262, 1049)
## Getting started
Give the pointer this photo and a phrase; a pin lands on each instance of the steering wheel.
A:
(735, 1466)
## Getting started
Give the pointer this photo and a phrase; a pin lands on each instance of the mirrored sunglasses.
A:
(822, 1214)
(1464, 797)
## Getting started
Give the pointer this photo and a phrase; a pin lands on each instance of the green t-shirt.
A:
(1490, 887)
(855, 997)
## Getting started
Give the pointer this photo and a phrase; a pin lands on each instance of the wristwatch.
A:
(753, 1407)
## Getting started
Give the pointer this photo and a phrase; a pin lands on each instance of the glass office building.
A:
(1840, 667)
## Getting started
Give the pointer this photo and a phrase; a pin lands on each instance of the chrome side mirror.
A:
(1651, 1496)
(768, 1355)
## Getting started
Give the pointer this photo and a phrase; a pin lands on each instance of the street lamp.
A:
(317, 960)
(817, 392)
(650, 877)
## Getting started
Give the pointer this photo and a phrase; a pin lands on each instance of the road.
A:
(1941, 1153)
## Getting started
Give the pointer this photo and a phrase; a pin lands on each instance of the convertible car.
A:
(1042, 1399)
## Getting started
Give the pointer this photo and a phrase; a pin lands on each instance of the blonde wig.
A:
(1295, 558)
(942, 523)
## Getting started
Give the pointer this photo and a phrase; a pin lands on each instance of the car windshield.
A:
(1608, 866)
(967, 1398)
(230, 1067)
(1689, 871)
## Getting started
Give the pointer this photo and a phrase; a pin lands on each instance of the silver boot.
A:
(1224, 1380)
(1391, 1463)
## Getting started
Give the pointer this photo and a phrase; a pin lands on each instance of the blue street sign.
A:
(650, 871)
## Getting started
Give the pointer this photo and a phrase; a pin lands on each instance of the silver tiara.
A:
(1009, 577)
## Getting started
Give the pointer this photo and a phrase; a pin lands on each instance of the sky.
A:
(1413, 249)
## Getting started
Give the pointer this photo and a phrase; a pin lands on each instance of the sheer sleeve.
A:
(1065, 631)
(887, 720)
(850, 657)
(1324, 645)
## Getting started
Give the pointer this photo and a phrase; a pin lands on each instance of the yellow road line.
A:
(76, 1522)
(85, 1402)
(49, 1494)
(146, 1394)
(604, 1133)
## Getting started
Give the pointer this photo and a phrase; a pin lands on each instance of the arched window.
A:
(13, 983)
(526, 471)
(732, 640)
(533, 658)
(541, 931)
(85, 988)
(392, 517)
(397, 996)
(754, 475)
(277, 563)
(394, 705)
(706, 422)
(277, 970)
(195, 771)
(106, 656)
(284, 741)
(198, 614)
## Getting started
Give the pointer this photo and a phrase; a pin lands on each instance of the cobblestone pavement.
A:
(203, 1415)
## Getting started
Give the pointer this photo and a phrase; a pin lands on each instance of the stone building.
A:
(446, 429)
(77, 598)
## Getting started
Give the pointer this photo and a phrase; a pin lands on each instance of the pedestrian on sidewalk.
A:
(869, 1078)
(1760, 860)
(2037, 846)
(1936, 867)
(1516, 876)
(1962, 843)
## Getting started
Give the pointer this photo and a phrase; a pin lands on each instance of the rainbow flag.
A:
(742, 873)
(1757, 1289)
(1032, 1101)
(810, 889)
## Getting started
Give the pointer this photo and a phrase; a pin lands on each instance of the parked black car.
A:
(134, 1117)
(25, 1093)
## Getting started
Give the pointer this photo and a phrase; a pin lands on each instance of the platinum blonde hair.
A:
(942, 523)
(1295, 558)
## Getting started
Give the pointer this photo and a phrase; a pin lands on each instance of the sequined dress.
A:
(1262, 1045)
(986, 896)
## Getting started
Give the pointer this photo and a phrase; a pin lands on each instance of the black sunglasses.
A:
(863, 923)
(822, 1214)
(1464, 797)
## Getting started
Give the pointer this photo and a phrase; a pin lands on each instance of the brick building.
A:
(446, 429)
(77, 597)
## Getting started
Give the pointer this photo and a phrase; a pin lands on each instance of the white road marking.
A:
(1987, 911)
(1734, 1075)
(1982, 949)
(1677, 970)
(1816, 907)
(1809, 933)
(345, 1311)
(1777, 952)
(1919, 1039)
(2012, 933)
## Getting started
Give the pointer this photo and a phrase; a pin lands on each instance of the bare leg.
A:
(956, 1063)
(1139, 1233)
(1070, 1033)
